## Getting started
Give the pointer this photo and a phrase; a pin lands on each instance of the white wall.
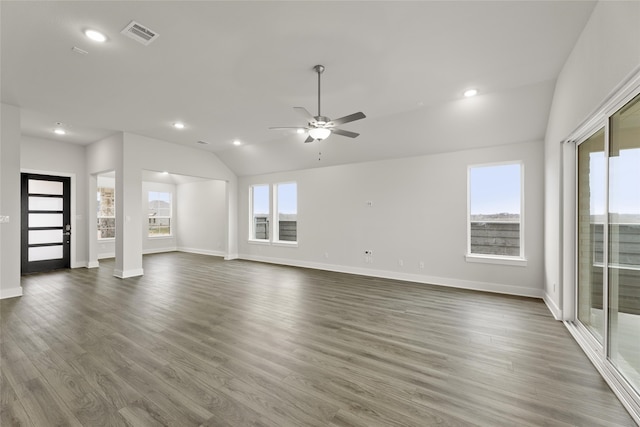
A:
(64, 159)
(10, 201)
(201, 217)
(419, 214)
(605, 56)
(158, 244)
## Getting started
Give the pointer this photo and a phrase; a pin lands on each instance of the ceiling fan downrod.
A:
(319, 69)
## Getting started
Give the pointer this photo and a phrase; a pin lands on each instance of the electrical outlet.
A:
(326, 255)
(422, 265)
(400, 262)
(369, 203)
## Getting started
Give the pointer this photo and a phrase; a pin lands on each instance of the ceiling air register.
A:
(139, 33)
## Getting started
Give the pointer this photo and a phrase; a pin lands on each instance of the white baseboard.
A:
(11, 292)
(552, 306)
(93, 264)
(229, 257)
(201, 251)
(107, 255)
(124, 274)
(158, 250)
(79, 264)
(409, 277)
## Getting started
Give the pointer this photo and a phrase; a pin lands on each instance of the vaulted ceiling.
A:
(230, 70)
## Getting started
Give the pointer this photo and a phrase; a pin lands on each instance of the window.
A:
(159, 214)
(259, 222)
(106, 206)
(286, 207)
(495, 226)
(285, 213)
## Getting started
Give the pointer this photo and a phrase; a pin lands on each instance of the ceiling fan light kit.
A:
(321, 127)
(319, 133)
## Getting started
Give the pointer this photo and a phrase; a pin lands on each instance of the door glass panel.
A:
(624, 241)
(591, 215)
(45, 203)
(45, 220)
(37, 186)
(45, 252)
(45, 236)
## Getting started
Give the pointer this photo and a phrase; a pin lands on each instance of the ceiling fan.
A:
(320, 127)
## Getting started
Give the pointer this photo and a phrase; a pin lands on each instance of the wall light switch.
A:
(4, 219)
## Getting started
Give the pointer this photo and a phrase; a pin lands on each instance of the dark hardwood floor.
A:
(202, 341)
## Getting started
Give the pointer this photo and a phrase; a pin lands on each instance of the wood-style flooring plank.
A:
(199, 341)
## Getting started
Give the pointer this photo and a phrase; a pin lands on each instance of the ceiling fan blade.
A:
(350, 118)
(346, 133)
(288, 127)
(309, 139)
(305, 113)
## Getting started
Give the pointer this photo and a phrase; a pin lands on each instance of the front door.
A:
(46, 222)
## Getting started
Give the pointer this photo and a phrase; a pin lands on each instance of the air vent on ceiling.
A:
(139, 33)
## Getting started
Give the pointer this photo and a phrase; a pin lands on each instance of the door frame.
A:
(74, 218)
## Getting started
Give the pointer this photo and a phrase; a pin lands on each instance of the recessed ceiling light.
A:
(165, 173)
(236, 142)
(96, 36)
(178, 125)
(59, 131)
(470, 92)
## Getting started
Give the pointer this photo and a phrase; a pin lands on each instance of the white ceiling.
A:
(232, 69)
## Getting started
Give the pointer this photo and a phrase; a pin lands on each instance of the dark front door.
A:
(46, 222)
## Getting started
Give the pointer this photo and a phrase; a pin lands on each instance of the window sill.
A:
(160, 237)
(107, 239)
(286, 243)
(259, 242)
(495, 259)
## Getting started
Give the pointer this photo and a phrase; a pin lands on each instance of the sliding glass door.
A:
(591, 220)
(608, 240)
(624, 241)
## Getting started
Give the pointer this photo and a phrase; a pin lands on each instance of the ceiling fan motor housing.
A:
(320, 121)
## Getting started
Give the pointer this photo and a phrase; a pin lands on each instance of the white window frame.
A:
(170, 216)
(252, 231)
(519, 260)
(276, 216)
